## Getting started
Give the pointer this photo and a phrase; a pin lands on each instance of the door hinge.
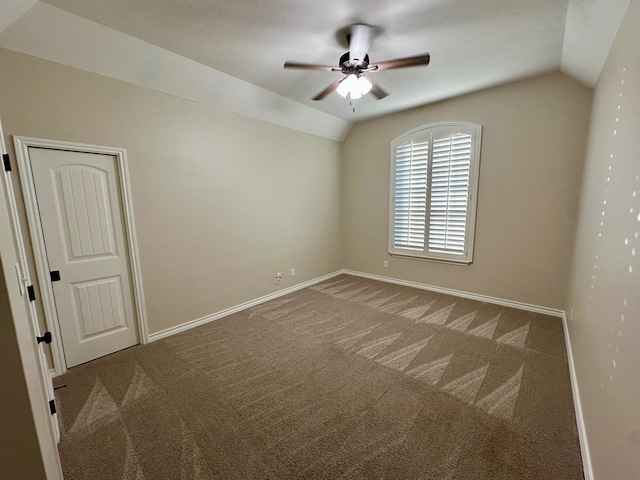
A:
(7, 162)
(55, 275)
(52, 407)
(32, 293)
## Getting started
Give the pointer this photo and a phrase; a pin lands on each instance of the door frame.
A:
(22, 145)
(24, 317)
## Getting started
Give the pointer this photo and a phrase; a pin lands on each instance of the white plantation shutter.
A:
(433, 192)
(412, 160)
(449, 192)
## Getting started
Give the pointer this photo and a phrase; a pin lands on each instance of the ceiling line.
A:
(56, 35)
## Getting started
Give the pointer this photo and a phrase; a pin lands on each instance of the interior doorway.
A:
(81, 223)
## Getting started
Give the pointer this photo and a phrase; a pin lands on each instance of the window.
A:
(434, 181)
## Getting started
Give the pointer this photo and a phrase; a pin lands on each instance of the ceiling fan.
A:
(355, 64)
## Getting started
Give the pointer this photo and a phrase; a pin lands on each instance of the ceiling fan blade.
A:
(377, 91)
(359, 42)
(402, 63)
(309, 66)
(323, 94)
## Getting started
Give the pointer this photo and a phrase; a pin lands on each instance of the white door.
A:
(80, 206)
(22, 277)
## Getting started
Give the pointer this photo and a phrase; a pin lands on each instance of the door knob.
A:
(46, 338)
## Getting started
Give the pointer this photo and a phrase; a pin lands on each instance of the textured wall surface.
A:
(222, 202)
(534, 135)
(603, 304)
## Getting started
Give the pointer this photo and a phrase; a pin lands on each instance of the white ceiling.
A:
(473, 45)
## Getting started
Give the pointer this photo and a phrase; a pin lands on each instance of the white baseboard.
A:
(238, 308)
(448, 291)
(458, 293)
(582, 433)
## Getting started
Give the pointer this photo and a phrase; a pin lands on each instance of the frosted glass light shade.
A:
(364, 85)
(346, 86)
(354, 86)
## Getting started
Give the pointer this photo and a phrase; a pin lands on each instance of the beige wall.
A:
(534, 134)
(604, 292)
(222, 202)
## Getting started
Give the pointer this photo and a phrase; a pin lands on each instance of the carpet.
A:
(348, 379)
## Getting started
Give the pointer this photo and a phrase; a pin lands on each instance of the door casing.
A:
(24, 318)
(22, 145)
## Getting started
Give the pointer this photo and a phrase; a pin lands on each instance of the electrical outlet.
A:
(293, 272)
(279, 276)
(386, 264)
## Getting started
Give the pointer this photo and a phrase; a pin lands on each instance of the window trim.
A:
(475, 130)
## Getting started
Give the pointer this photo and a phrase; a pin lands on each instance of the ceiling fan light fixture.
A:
(354, 86)
(347, 85)
(355, 66)
(365, 85)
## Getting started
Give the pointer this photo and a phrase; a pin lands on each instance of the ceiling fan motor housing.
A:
(348, 67)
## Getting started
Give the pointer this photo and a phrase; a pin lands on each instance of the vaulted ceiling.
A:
(231, 52)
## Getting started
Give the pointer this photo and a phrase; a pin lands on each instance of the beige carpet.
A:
(351, 378)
